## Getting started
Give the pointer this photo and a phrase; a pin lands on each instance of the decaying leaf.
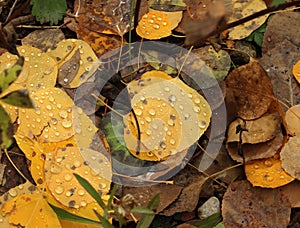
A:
(219, 62)
(171, 116)
(290, 156)
(292, 192)
(278, 62)
(167, 5)
(296, 71)
(75, 60)
(154, 25)
(256, 131)
(249, 91)
(247, 206)
(267, 173)
(292, 117)
(109, 17)
(241, 10)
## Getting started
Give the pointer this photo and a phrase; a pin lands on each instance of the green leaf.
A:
(277, 2)
(142, 210)
(147, 219)
(220, 225)
(104, 221)
(6, 129)
(91, 190)
(111, 196)
(8, 76)
(65, 215)
(49, 10)
(19, 98)
(207, 222)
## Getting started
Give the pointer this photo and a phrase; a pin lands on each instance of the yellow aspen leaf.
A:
(154, 25)
(76, 62)
(174, 17)
(68, 224)
(30, 210)
(171, 116)
(51, 120)
(39, 71)
(267, 173)
(90, 164)
(296, 71)
(243, 9)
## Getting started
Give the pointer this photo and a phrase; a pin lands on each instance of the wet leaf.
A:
(256, 131)
(154, 25)
(76, 62)
(19, 98)
(241, 10)
(174, 17)
(296, 71)
(30, 210)
(290, 156)
(267, 173)
(6, 129)
(109, 17)
(292, 117)
(248, 206)
(8, 76)
(167, 119)
(249, 91)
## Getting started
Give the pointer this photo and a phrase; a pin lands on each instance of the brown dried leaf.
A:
(259, 130)
(278, 62)
(249, 91)
(292, 192)
(255, 151)
(290, 156)
(292, 117)
(247, 206)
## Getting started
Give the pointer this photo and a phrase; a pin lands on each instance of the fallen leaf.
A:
(296, 71)
(154, 25)
(290, 156)
(174, 17)
(30, 211)
(6, 129)
(255, 151)
(267, 173)
(249, 91)
(171, 136)
(292, 192)
(90, 164)
(247, 206)
(109, 17)
(167, 5)
(292, 117)
(278, 62)
(259, 130)
(244, 9)
(281, 26)
(75, 60)
(218, 61)
(44, 39)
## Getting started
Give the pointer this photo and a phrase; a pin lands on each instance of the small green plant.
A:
(48, 10)
(112, 210)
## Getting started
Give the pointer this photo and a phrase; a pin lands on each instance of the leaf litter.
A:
(251, 97)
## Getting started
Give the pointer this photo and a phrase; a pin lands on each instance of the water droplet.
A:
(142, 98)
(148, 132)
(171, 122)
(270, 178)
(59, 106)
(172, 98)
(12, 192)
(256, 166)
(202, 124)
(164, 23)
(68, 177)
(268, 163)
(164, 104)
(154, 125)
(181, 107)
(66, 123)
(172, 141)
(81, 192)
(49, 107)
(69, 193)
(102, 185)
(151, 21)
(281, 177)
(138, 111)
(151, 112)
(63, 114)
(50, 114)
(148, 119)
(54, 121)
(196, 109)
(83, 203)
(197, 100)
(77, 164)
(59, 189)
(77, 130)
(159, 18)
(23, 50)
(167, 89)
(55, 169)
(156, 26)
